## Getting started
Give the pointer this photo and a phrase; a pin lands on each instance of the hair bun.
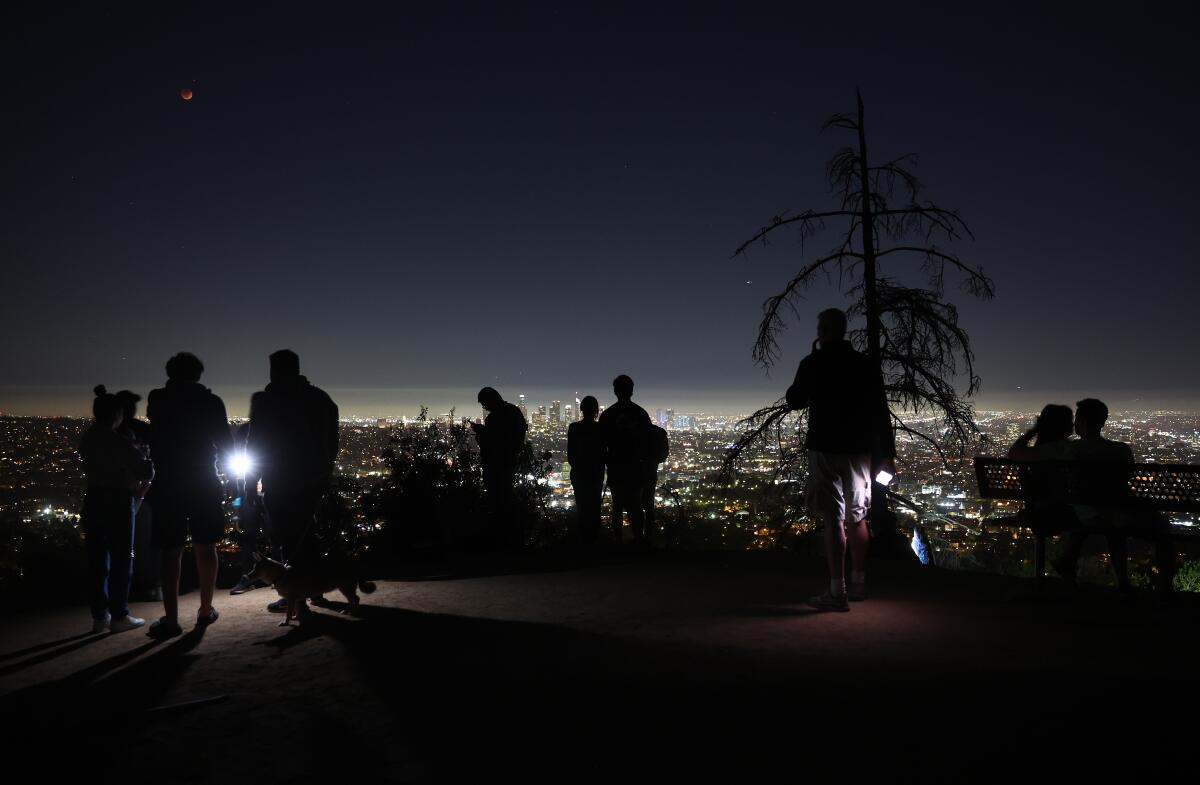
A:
(99, 390)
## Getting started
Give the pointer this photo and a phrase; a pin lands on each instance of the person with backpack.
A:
(114, 467)
(658, 448)
(624, 431)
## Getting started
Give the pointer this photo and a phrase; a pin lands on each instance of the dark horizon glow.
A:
(541, 198)
(398, 403)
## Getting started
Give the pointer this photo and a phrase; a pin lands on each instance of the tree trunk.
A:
(887, 540)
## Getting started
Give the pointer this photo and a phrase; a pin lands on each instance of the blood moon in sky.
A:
(185, 94)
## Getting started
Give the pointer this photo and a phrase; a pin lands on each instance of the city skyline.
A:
(406, 403)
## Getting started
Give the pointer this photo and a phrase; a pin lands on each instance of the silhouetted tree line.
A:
(433, 494)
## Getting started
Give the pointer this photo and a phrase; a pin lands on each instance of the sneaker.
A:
(243, 585)
(101, 624)
(164, 629)
(279, 606)
(829, 602)
(856, 592)
(126, 623)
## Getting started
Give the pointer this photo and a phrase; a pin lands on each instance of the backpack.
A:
(660, 446)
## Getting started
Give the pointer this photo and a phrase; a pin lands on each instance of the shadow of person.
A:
(474, 694)
(8, 655)
(117, 689)
(46, 656)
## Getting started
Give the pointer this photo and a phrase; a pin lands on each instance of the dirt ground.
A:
(574, 668)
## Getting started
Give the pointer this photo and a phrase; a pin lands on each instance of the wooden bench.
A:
(1137, 488)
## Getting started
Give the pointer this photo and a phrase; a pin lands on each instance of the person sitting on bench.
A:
(1092, 447)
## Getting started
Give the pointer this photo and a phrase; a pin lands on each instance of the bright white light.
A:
(240, 464)
(883, 478)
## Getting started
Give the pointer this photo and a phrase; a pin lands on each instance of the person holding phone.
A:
(850, 443)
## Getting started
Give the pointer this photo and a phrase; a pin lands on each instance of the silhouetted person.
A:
(250, 514)
(114, 468)
(189, 433)
(849, 440)
(146, 558)
(585, 453)
(1109, 478)
(659, 448)
(625, 427)
(501, 438)
(292, 443)
(1048, 439)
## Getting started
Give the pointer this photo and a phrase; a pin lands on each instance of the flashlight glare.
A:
(883, 478)
(239, 464)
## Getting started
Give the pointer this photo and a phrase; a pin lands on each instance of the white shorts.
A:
(839, 486)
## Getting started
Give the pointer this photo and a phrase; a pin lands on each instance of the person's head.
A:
(831, 326)
(129, 401)
(489, 398)
(184, 367)
(1054, 423)
(1090, 416)
(589, 407)
(106, 408)
(623, 387)
(285, 365)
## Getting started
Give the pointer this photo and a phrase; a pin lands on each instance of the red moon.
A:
(185, 94)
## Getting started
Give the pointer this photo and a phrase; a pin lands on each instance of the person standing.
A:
(292, 443)
(114, 468)
(585, 453)
(189, 433)
(849, 440)
(146, 558)
(501, 437)
(624, 429)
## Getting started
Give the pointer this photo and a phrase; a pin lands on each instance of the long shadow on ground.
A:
(548, 703)
(459, 699)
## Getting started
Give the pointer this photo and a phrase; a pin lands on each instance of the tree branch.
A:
(766, 347)
(806, 217)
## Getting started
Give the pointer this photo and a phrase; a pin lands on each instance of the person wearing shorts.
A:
(188, 434)
(849, 439)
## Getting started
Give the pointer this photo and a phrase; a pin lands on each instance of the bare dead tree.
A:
(912, 333)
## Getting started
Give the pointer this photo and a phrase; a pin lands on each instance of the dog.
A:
(296, 584)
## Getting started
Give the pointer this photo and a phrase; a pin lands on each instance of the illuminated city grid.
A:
(41, 479)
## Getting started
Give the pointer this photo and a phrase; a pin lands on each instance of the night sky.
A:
(423, 199)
